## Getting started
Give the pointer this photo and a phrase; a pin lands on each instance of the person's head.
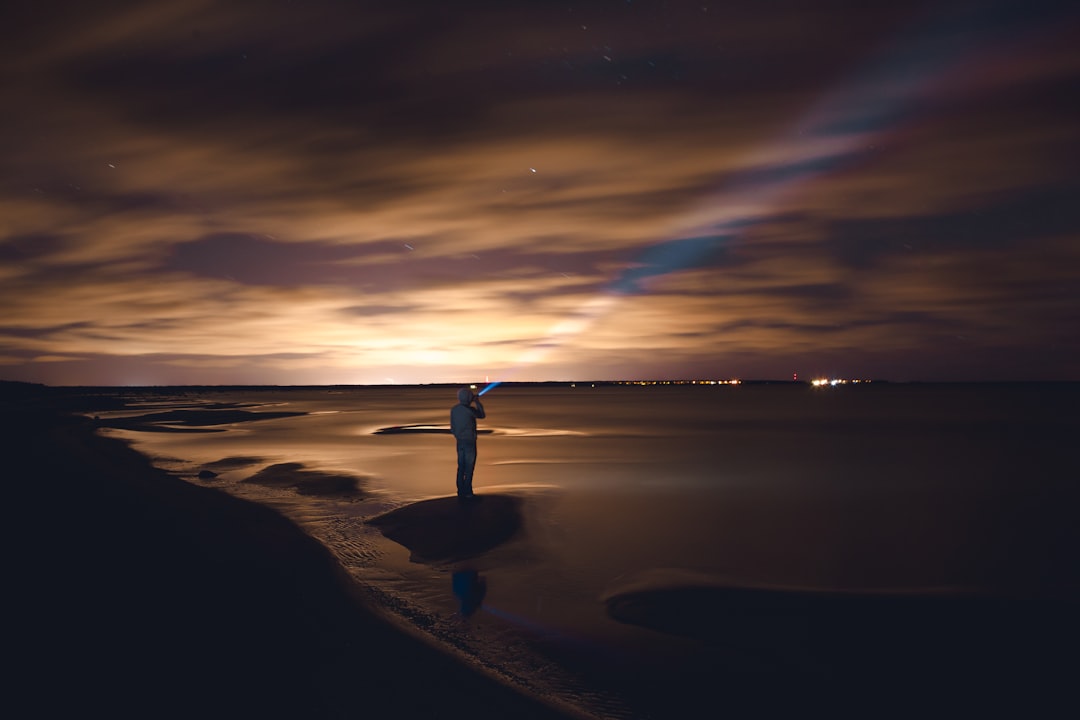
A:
(465, 395)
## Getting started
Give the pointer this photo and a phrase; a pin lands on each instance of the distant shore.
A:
(140, 595)
(90, 392)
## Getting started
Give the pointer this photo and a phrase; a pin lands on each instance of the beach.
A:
(140, 595)
(608, 568)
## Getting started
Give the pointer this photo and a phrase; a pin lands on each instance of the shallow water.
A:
(912, 488)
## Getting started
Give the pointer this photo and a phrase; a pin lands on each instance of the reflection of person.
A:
(470, 589)
(463, 424)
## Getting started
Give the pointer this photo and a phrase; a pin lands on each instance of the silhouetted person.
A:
(463, 424)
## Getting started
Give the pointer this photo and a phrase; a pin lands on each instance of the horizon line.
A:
(522, 383)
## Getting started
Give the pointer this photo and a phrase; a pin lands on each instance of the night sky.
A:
(323, 192)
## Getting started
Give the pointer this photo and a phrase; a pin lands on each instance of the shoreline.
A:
(142, 595)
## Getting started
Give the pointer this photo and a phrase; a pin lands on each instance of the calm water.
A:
(871, 487)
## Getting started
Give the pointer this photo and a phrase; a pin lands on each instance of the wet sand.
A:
(446, 529)
(136, 594)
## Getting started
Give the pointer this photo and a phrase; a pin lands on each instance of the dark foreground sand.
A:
(134, 594)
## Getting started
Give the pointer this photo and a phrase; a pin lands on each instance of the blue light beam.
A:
(891, 92)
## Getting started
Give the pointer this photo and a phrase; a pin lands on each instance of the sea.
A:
(670, 532)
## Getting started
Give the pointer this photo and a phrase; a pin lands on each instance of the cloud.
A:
(346, 192)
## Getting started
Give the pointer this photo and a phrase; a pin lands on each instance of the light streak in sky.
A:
(885, 97)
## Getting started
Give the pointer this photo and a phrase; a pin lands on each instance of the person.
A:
(463, 425)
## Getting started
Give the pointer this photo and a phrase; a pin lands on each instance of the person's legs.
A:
(466, 463)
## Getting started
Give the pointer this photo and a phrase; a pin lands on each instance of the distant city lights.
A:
(817, 382)
(678, 382)
(833, 382)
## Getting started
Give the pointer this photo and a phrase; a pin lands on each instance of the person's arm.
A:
(479, 407)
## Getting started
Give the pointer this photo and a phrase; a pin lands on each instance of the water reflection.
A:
(469, 588)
